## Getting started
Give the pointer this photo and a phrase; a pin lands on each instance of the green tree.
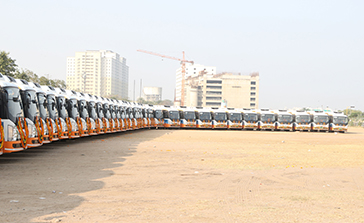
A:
(7, 65)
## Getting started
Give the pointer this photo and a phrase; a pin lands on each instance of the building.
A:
(222, 90)
(98, 72)
(192, 70)
(152, 94)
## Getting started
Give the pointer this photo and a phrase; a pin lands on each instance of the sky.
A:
(308, 53)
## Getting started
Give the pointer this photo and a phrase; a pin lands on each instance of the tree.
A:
(7, 65)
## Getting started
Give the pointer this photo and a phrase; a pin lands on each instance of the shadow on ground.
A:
(46, 179)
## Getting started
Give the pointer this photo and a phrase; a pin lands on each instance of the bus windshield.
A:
(61, 101)
(189, 115)
(220, 116)
(72, 108)
(99, 111)
(14, 105)
(42, 105)
(174, 115)
(158, 114)
(285, 118)
(321, 118)
(205, 116)
(83, 109)
(340, 120)
(235, 117)
(302, 118)
(92, 110)
(52, 107)
(30, 104)
(267, 118)
(250, 117)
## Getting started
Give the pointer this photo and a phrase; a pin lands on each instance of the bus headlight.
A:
(64, 126)
(45, 127)
(74, 125)
(93, 126)
(32, 130)
(13, 133)
(84, 125)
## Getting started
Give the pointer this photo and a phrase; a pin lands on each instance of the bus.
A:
(203, 118)
(284, 120)
(250, 119)
(338, 122)
(302, 121)
(188, 117)
(13, 123)
(68, 111)
(219, 118)
(45, 124)
(172, 117)
(235, 119)
(320, 121)
(267, 119)
(31, 113)
(158, 117)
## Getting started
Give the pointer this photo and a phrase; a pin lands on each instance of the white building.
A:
(152, 93)
(98, 72)
(192, 70)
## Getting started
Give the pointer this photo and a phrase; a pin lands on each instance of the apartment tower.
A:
(98, 72)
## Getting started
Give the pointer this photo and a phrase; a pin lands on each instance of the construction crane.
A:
(183, 68)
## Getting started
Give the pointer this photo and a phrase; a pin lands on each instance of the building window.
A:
(252, 104)
(214, 81)
(213, 87)
(252, 99)
(252, 93)
(253, 83)
(213, 98)
(252, 88)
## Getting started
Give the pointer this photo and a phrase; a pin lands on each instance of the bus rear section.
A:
(338, 122)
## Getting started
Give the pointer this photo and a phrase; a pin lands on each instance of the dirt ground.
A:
(188, 176)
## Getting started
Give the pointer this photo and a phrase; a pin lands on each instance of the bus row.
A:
(263, 119)
(32, 115)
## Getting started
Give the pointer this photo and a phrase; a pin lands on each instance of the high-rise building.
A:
(222, 90)
(98, 72)
(192, 70)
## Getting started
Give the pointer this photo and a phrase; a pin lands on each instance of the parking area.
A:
(188, 176)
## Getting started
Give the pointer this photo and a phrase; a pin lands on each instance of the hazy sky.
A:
(308, 53)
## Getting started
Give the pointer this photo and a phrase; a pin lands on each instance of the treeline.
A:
(10, 68)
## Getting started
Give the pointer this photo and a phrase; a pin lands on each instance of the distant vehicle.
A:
(250, 119)
(338, 122)
(284, 120)
(219, 118)
(267, 120)
(302, 121)
(320, 121)
(235, 119)
(203, 118)
(172, 117)
(188, 117)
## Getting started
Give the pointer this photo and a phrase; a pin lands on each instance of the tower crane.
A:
(183, 68)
